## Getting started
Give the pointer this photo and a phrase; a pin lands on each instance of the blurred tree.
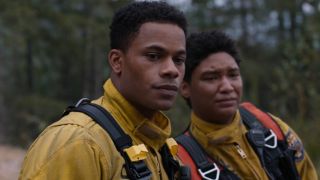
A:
(56, 52)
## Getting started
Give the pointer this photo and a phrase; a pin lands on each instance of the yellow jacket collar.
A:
(210, 134)
(152, 132)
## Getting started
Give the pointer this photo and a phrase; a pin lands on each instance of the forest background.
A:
(54, 52)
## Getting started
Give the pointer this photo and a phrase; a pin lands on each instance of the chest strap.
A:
(255, 118)
(207, 168)
(135, 167)
(268, 141)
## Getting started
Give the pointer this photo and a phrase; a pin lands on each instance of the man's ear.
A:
(115, 58)
(185, 89)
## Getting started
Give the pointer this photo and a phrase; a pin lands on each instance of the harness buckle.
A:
(72, 107)
(135, 166)
(272, 139)
(82, 100)
(172, 146)
(136, 152)
(210, 172)
(138, 171)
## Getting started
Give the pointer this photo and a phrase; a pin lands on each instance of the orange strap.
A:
(186, 159)
(264, 118)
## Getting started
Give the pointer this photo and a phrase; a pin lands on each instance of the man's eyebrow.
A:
(210, 71)
(234, 69)
(161, 49)
(155, 47)
(182, 52)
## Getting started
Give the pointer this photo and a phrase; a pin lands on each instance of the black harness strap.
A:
(193, 148)
(170, 165)
(120, 138)
(135, 170)
(256, 137)
(208, 169)
(250, 120)
(274, 155)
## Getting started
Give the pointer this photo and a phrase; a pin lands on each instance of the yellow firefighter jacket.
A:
(229, 146)
(75, 147)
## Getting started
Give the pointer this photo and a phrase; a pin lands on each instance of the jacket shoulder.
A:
(62, 140)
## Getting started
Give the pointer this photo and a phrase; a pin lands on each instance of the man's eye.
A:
(211, 77)
(234, 74)
(179, 60)
(153, 56)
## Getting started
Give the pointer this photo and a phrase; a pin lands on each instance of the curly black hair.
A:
(201, 45)
(128, 20)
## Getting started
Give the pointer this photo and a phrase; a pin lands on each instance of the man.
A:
(147, 67)
(213, 88)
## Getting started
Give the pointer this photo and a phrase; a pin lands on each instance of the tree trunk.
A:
(29, 66)
(293, 24)
(244, 22)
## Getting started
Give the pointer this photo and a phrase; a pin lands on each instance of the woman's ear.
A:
(185, 89)
(115, 58)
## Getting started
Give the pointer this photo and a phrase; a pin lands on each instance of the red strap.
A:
(187, 160)
(264, 118)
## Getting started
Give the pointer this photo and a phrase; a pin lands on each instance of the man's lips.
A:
(227, 102)
(167, 89)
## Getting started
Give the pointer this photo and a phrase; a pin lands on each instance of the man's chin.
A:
(230, 111)
(165, 106)
(227, 112)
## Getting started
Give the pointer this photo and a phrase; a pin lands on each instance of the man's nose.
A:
(169, 68)
(226, 85)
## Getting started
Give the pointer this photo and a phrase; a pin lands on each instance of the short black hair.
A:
(128, 19)
(201, 45)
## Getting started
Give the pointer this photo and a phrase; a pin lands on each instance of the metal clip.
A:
(268, 139)
(205, 173)
(82, 101)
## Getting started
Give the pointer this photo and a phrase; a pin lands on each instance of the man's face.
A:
(153, 67)
(215, 89)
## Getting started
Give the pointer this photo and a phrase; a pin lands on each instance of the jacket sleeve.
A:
(304, 164)
(78, 160)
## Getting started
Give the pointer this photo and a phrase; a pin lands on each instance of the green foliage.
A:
(180, 116)
(310, 141)
(30, 115)
(51, 52)
(294, 86)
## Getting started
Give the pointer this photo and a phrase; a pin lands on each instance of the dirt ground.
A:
(10, 162)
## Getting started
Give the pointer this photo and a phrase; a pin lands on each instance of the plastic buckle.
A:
(257, 137)
(83, 100)
(172, 146)
(139, 171)
(215, 169)
(136, 152)
(185, 173)
(274, 140)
